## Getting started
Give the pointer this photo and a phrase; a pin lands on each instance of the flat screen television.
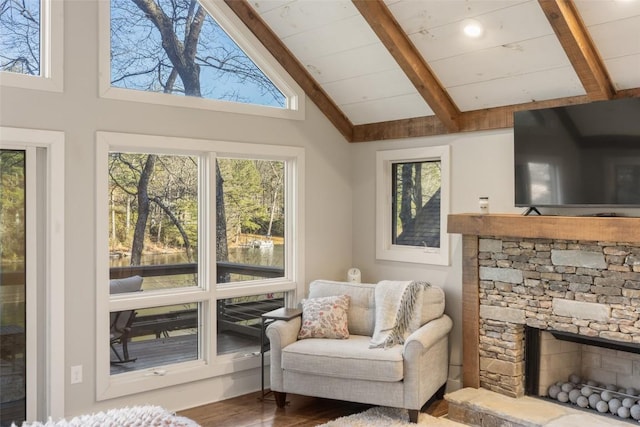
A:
(584, 155)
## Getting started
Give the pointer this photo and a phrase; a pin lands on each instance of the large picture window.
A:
(196, 240)
(412, 205)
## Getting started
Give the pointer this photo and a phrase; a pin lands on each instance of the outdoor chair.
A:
(120, 321)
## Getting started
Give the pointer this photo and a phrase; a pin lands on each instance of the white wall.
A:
(79, 113)
(481, 165)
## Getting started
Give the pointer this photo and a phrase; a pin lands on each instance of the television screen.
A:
(579, 155)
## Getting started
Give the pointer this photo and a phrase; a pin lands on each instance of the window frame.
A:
(209, 363)
(385, 249)
(46, 376)
(247, 41)
(51, 52)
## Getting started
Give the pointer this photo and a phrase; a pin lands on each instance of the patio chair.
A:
(120, 321)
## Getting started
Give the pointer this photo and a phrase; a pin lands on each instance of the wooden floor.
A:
(301, 411)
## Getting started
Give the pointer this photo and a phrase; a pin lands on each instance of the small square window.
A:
(412, 205)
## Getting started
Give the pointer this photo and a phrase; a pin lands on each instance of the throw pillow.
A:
(325, 317)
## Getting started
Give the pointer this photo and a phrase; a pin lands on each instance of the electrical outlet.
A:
(76, 374)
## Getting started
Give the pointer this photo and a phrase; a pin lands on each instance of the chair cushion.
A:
(128, 284)
(350, 359)
(325, 317)
(361, 313)
(432, 304)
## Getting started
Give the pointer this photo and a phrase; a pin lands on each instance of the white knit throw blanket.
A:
(136, 416)
(398, 307)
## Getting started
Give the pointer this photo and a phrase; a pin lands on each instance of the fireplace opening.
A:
(587, 372)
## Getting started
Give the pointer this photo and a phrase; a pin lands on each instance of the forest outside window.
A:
(196, 245)
(412, 205)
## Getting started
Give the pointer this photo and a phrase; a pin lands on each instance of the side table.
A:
(267, 318)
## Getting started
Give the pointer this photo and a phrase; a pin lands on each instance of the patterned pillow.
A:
(325, 317)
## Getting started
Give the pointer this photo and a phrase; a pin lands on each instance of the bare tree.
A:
(166, 45)
(20, 36)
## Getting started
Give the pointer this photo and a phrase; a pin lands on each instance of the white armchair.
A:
(403, 375)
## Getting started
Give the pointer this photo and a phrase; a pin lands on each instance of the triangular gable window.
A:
(177, 47)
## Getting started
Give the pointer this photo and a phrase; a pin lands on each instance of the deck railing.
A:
(241, 317)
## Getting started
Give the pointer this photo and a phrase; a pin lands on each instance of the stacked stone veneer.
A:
(587, 288)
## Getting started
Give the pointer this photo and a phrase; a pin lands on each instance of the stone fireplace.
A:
(575, 275)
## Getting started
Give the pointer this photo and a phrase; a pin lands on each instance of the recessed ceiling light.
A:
(472, 28)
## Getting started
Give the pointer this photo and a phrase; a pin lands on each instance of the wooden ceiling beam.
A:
(378, 16)
(580, 49)
(298, 72)
(470, 121)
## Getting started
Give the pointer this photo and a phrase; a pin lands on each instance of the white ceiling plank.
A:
(302, 16)
(338, 36)
(504, 26)
(538, 54)
(543, 85)
(371, 86)
(414, 16)
(624, 71)
(263, 6)
(382, 110)
(607, 37)
(598, 12)
(360, 61)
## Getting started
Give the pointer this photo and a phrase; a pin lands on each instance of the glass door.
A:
(12, 287)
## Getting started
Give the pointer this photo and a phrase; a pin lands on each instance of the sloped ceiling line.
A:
(562, 15)
(297, 71)
(380, 19)
(576, 42)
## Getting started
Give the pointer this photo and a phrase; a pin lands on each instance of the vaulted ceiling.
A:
(403, 68)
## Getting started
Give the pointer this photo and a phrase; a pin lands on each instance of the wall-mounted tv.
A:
(584, 155)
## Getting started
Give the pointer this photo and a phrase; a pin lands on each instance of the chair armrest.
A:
(281, 333)
(426, 361)
(427, 335)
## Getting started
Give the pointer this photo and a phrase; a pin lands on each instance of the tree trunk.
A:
(222, 251)
(143, 210)
(407, 191)
(417, 185)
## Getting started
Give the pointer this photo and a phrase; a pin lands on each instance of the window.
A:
(31, 44)
(31, 274)
(412, 205)
(196, 240)
(180, 53)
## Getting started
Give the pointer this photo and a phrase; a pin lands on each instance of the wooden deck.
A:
(157, 352)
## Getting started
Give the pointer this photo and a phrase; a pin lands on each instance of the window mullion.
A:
(207, 255)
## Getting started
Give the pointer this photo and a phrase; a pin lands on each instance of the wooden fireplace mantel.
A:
(471, 226)
(611, 229)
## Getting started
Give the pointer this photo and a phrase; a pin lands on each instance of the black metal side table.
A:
(267, 318)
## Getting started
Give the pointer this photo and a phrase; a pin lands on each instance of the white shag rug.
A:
(136, 416)
(388, 417)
